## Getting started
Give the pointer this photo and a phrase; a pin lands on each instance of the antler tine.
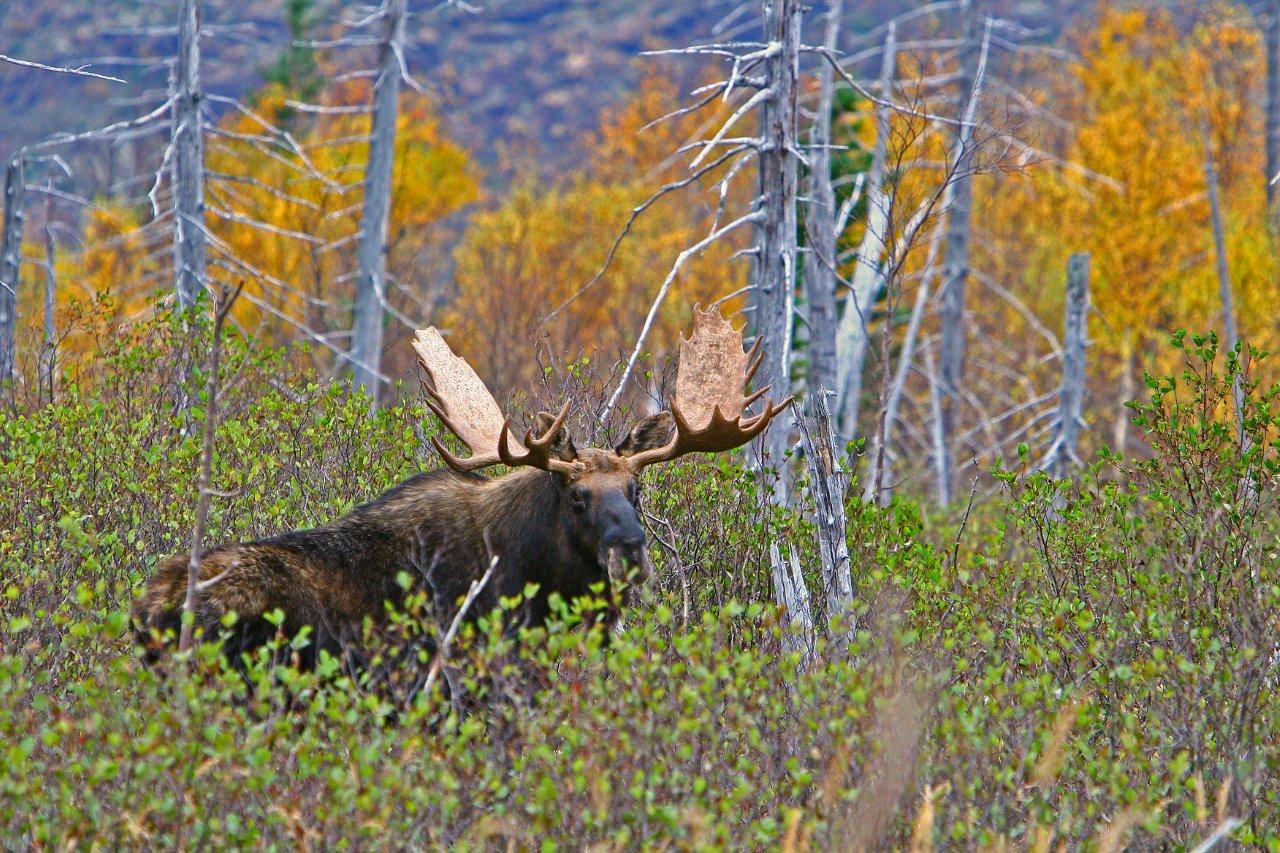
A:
(751, 398)
(538, 453)
(544, 441)
(457, 463)
(755, 358)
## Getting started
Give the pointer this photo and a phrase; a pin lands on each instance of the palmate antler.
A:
(711, 395)
(460, 400)
(708, 406)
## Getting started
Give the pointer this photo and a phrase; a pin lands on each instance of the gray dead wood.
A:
(1064, 449)
(852, 335)
(190, 256)
(775, 268)
(1231, 334)
(10, 262)
(820, 226)
(956, 258)
(828, 487)
(371, 254)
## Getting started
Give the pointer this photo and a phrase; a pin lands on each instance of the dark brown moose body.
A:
(566, 519)
(433, 527)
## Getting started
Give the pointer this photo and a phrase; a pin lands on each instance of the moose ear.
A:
(653, 431)
(562, 446)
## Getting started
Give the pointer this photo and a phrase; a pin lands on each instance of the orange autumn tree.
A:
(525, 267)
(103, 281)
(283, 219)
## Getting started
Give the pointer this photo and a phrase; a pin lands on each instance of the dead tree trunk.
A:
(955, 261)
(828, 487)
(820, 226)
(371, 255)
(10, 262)
(1230, 333)
(776, 262)
(189, 254)
(876, 487)
(1125, 392)
(48, 355)
(775, 276)
(852, 336)
(1063, 451)
(1272, 38)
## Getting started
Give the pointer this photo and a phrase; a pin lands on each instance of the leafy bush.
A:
(1077, 662)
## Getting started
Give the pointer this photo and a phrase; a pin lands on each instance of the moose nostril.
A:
(628, 541)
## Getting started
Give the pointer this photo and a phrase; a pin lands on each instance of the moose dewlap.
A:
(563, 518)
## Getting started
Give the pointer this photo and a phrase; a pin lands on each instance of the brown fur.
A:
(440, 528)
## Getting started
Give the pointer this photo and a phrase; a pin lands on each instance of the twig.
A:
(225, 301)
(662, 295)
(80, 72)
(442, 652)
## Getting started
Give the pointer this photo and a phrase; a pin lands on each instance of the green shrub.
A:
(1075, 658)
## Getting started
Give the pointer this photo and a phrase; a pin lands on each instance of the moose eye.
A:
(578, 499)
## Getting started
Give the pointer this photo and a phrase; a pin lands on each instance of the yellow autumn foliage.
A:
(525, 268)
(1129, 187)
(299, 268)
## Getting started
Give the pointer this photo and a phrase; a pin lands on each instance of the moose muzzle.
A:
(628, 565)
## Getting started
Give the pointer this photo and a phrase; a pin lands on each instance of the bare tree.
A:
(205, 482)
(189, 253)
(821, 225)
(956, 257)
(366, 341)
(49, 353)
(1271, 33)
(939, 207)
(853, 333)
(776, 249)
(11, 262)
(1063, 451)
(1231, 336)
(769, 70)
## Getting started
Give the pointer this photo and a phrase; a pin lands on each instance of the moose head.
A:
(598, 488)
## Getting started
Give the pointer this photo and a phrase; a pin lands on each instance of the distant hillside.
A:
(531, 74)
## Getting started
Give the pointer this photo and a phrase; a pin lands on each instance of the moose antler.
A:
(711, 393)
(459, 399)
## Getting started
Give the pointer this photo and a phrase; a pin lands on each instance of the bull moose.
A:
(563, 518)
